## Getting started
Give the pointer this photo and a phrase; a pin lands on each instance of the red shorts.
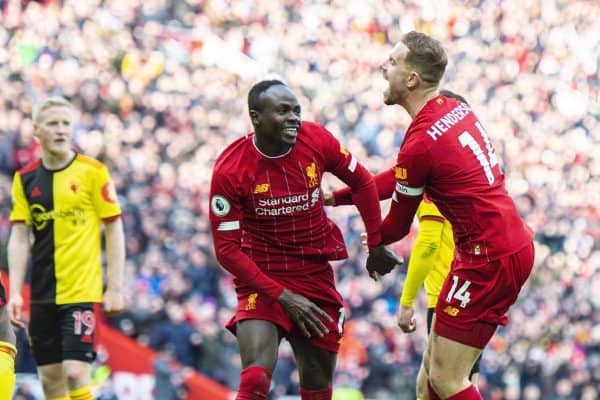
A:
(320, 289)
(476, 297)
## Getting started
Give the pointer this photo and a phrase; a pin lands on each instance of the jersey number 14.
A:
(487, 163)
(461, 294)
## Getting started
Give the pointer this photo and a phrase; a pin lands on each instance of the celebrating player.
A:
(447, 154)
(271, 232)
(429, 263)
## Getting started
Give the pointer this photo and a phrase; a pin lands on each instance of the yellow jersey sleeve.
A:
(20, 208)
(428, 210)
(425, 251)
(104, 195)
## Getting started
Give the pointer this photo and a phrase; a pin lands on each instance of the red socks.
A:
(470, 393)
(254, 383)
(320, 394)
(432, 394)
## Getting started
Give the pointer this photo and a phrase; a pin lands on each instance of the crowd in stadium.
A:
(161, 88)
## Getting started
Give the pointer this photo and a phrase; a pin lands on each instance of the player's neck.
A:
(272, 150)
(417, 100)
(55, 161)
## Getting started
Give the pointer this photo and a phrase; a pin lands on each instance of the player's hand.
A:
(406, 320)
(328, 199)
(382, 261)
(305, 313)
(15, 308)
(114, 301)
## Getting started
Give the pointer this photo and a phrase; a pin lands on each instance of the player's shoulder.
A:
(32, 166)
(234, 156)
(312, 127)
(314, 135)
(435, 108)
(89, 162)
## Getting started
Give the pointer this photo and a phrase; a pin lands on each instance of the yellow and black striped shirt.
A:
(65, 209)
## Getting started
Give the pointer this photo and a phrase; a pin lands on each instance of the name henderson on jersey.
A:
(448, 121)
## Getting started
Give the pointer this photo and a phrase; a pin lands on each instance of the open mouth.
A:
(290, 132)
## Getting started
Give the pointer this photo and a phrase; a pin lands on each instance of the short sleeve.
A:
(337, 158)
(225, 206)
(427, 209)
(104, 195)
(20, 206)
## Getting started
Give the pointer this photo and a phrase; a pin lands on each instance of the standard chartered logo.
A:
(40, 216)
(314, 197)
(288, 204)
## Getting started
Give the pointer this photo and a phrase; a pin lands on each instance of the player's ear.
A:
(254, 117)
(413, 80)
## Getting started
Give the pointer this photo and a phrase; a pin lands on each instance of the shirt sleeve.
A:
(104, 195)
(424, 252)
(346, 167)
(20, 207)
(226, 219)
(411, 172)
(385, 182)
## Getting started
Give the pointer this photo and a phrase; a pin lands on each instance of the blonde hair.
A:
(47, 103)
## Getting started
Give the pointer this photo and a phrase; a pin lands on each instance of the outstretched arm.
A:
(385, 182)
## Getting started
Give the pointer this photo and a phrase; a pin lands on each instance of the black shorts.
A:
(62, 332)
(430, 312)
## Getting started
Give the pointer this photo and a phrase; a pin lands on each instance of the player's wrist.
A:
(374, 241)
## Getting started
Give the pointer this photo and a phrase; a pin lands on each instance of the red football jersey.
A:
(272, 207)
(447, 154)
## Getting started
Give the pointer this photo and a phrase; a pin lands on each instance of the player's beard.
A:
(388, 97)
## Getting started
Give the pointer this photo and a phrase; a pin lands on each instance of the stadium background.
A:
(161, 88)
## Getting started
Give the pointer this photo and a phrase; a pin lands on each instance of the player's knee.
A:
(445, 382)
(53, 382)
(255, 381)
(421, 390)
(77, 373)
(426, 361)
(315, 376)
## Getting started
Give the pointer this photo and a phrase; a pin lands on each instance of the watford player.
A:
(63, 200)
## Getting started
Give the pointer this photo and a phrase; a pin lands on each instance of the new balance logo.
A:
(451, 311)
(261, 188)
(36, 192)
